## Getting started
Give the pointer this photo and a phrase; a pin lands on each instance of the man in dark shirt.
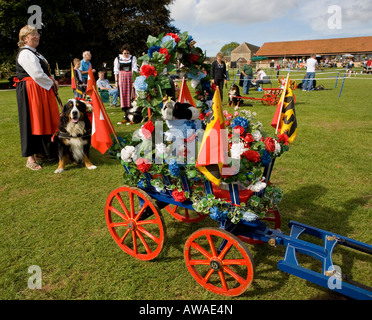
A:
(248, 74)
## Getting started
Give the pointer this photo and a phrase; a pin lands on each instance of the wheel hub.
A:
(132, 225)
(215, 265)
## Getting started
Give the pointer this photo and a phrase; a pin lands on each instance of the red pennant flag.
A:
(101, 124)
(185, 95)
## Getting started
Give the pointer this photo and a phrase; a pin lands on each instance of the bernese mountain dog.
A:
(74, 136)
(234, 96)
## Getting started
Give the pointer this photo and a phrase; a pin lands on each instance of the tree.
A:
(71, 27)
(227, 48)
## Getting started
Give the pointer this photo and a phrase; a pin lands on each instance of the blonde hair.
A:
(86, 52)
(76, 61)
(23, 33)
(219, 55)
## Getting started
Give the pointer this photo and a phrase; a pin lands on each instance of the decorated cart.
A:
(212, 164)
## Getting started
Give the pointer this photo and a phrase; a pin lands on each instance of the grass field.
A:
(57, 222)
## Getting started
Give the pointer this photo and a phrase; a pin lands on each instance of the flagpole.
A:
(181, 91)
(282, 102)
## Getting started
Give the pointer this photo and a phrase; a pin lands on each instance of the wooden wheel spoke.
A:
(139, 214)
(135, 248)
(235, 262)
(199, 262)
(223, 280)
(237, 277)
(124, 236)
(118, 213)
(131, 202)
(150, 235)
(143, 222)
(121, 202)
(211, 244)
(208, 275)
(204, 252)
(148, 250)
(118, 224)
(225, 250)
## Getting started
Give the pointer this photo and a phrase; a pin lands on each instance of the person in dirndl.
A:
(124, 65)
(36, 98)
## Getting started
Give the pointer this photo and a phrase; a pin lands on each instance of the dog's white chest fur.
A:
(76, 144)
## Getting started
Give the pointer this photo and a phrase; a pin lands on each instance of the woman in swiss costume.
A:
(37, 105)
(124, 65)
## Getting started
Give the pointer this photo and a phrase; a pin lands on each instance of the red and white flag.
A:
(185, 95)
(101, 124)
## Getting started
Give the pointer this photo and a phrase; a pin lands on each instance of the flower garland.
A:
(163, 54)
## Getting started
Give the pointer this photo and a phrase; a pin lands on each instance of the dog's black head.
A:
(234, 90)
(74, 111)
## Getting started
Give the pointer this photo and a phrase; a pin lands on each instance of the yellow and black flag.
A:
(286, 115)
(213, 151)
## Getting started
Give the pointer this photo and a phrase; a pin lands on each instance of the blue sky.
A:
(214, 23)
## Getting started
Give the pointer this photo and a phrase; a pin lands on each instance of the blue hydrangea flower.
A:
(190, 39)
(266, 158)
(169, 38)
(239, 121)
(140, 84)
(153, 49)
(217, 215)
(174, 169)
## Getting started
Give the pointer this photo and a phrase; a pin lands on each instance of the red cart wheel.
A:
(184, 214)
(135, 222)
(227, 271)
(273, 221)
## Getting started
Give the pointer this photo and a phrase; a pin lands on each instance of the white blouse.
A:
(31, 64)
(117, 64)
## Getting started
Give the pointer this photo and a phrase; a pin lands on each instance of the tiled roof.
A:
(327, 46)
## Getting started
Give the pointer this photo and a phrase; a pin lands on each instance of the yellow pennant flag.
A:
(213, 150)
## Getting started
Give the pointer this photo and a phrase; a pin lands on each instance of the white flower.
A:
(249, 216)
(257, 135)
(237, 149)
(161, 149)
(278, 148)
(258, 186)
(127, 153)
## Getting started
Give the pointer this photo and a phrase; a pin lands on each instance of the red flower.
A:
(148, 70)
(175, 37)
(179, 195)
(270, 144)
(143, 165)
(239, 129)
(193, 57)
(166, 53)
(283, 138)
(252, 156)
(248, 138)
(227, 123)
(147, 129)
(202, 116)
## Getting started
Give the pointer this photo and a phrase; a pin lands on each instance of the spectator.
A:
(104, 84)
(124, 65)
(218, 73)
(79, 92)
(36, 98)
(84, 67)
(248, 74)
(259, 77)
(310, 73)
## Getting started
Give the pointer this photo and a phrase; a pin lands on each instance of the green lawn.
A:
(57, 222)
